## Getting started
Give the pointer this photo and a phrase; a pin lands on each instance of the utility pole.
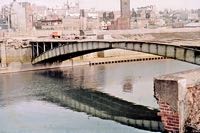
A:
(9, 20)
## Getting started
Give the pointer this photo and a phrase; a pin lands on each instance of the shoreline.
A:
(16, 68)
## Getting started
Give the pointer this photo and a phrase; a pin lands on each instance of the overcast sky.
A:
(114, 4)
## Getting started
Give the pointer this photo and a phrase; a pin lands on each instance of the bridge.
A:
(59, 50)
(170, 91)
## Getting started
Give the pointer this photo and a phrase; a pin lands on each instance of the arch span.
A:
(63, 50)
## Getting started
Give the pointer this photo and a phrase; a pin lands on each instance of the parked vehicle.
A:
(71, 36)
(56, 34)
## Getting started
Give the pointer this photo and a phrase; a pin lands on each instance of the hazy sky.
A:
(114, 4)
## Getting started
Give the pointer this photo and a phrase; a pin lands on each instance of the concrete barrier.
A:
(174, 93)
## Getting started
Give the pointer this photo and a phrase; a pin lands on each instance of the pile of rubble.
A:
(16, 43)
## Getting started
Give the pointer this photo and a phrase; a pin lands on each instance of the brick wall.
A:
(178, 97)
(120, 24)
(169, 117)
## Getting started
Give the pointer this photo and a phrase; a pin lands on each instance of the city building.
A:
(144, 17)
(83, 20)
(21, 16)
(193, 16)
(72, 24)
(125, 8)
(93, 21)
(4, 18)
(28, 15)
(93, 24)
(49, 24)
(68, 17)
(3, 24)
(122, 22)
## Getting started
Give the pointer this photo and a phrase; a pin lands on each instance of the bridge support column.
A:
(44, 47)
(33, 51)
(3, 55)
(51, 45)
(173, 95)
(37, 49)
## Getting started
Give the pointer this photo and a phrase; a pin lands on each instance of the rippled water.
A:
(109, 99)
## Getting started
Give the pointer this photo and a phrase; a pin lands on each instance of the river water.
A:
(112, 98)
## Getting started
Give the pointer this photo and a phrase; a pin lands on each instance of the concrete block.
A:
(130, 46)
(155, 125)
(75, 47)
(62, 50)
(95, 45)
(180, 53)
(171, 92)
(102, 45)
(45, 56)
(139, 122)
(57, 51)
(147, 123)
(85, 46)
(137, 47)
(153, 49)
(145, 48)
(167, 87)
(70, 48)
(80, 47)
(162, 50)
(170, 51)
(190, 56)
(90, 46)
(122, 45)
(197, 60)
(66, 47)
(132, 122)
(116, 45)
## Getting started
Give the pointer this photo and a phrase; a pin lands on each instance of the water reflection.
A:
(128, 86)
(104, 106)
(52, 101)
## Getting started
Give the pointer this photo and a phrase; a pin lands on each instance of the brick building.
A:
(123, 22)
(125, 8)
(21, 16)
(120, 24)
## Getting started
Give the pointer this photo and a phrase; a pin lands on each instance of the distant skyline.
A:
(115, 4)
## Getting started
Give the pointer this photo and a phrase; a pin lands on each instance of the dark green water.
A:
(115, 98)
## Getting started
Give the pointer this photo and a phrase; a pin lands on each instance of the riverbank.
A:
(18, 67)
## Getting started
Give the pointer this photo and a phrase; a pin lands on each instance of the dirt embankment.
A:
(174, 37)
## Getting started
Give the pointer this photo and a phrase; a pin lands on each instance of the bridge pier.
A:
(44, 47)
(37, 49)
(174, 93)
(3, 55)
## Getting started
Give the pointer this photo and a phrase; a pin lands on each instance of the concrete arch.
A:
(66, 50)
